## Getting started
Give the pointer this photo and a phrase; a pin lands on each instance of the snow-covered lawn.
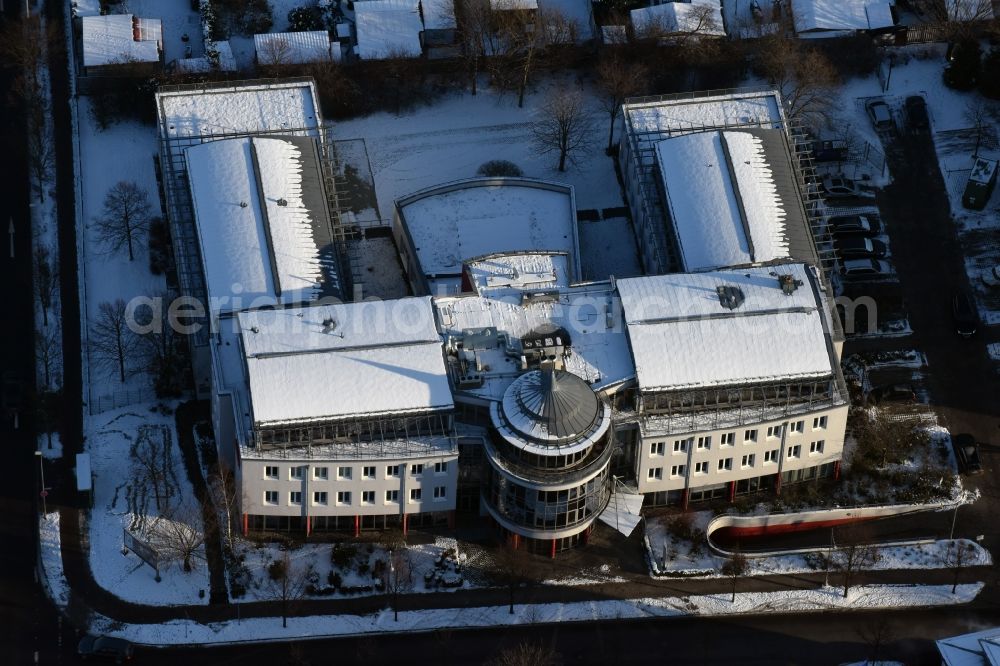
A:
(356, 577)
(123, 498)
(270, 629)
(672, 556)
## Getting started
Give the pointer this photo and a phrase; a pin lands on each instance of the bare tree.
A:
(475, 29)
(150, 454)
(274, 52)
(397, 577)
(288, 583)
(512, 567)
(977, 114)
(225, 496)
(882, 439)
(125, 218)
(564, 125)
(46, 279)
(958, 554)
(803, 75)
(112, 342)
(41, 151)
(876, 632)
(735, 567)
(618, 80)
(526, 654)
(856, 553)
(519, 40)
(48, 352)
(959, 19)
(694, 26)
(177, 536)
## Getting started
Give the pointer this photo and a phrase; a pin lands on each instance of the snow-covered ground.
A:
(672, 556)
(122, 498)
(50, 445)
(270, 629)
(178, 20)
(52, 578)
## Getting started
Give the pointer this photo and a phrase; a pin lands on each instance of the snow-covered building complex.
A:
(507, 386)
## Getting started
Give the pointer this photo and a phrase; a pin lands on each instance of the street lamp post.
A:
(954, 517)
(44, 492)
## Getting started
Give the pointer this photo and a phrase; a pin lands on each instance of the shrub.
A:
(159, 246)
(302, 19)
(276, 570)
(343, 555)
(497, 168)
(680, 526)
(333, 579)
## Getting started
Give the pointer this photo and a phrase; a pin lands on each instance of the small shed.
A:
(982, 180)
(111, 41)
(84, 479)
(294, 48)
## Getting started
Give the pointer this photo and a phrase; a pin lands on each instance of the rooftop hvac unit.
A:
(470, 381)
(788, 283)
(730, 297)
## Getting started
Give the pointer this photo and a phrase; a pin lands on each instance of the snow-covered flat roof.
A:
(292, 48)
(702, 17)
(330, 362)
(656, 119)
(388, 29)
(981, 648)
(813, 15)
(682, 337)
(239, 109)
(439, 14)
(587, 313)
(501, 274)
(120, 38)
(983, 171)
(262, 223)
(451, 223)
(722, 199)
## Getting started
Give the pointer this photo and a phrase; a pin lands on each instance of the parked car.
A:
(837, 187)
(865, 269)
(916, 113)
(967, 452)
(843, 226)
(965, 314)
(859, 247)
(117, 650)
(880, 115)
(892, 393)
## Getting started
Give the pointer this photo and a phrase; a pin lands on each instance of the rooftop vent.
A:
(788, 283)
(730, 297)
(282, 202)
(329, 325)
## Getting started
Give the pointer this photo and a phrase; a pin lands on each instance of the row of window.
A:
(321, 497)
(704, 443)
(726, 464)
(298, 472)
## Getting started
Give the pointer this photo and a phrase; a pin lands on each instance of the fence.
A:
(120, 398)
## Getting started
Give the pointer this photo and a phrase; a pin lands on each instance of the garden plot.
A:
(178, 20)
(677, 547)
(140, 485)
(353, 569)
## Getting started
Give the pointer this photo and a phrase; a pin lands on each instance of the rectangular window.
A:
(654, 473)
(681, 445)
(368, 472)
(344, 497)
(322, 473)
(271, 472)
(704, 443)
(392, 470)
(657, 448)
(368, 497)
(678, 470)
(391, 496)
(726, 465)
(271, 497)
(441, 468)
(747, 460)
(795, 451)
(440, 492)
(416, 469)
(771, 456)
(816, 447)
(773, 431)
(297, 473)
(343, 472)
(415, 494)
(295, 498)
(819, 423)
(319, 498)
(728, 439)
(749, 436)
(799, 426)
(701, 467)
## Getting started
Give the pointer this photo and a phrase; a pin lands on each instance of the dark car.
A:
(859, 247)
(854, 225)
(964, 314)
(117, 650)
(892, 393)
(967, 451)
(916, 113)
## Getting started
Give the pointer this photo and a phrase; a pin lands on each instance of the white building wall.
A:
(257, 481)
(832, 437)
